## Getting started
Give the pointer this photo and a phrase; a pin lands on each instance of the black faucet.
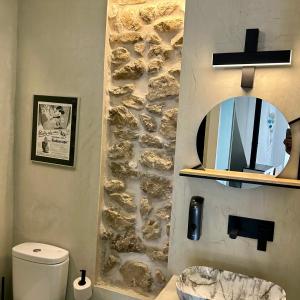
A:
(261, 230)
(233, 233)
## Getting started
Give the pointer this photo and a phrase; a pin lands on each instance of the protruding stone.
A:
(155, 65)
(122, 169)
(164, 213)
(120, 117)
(126, 38)
(175, 71)
(126, 201)
(170, 146)
(168, 228)
(168, 124)
(126, 135)
(166, 9)
(159, 277)
(148, 14)
(114, 186)
(113, 11)
(160, 51)
(120, 56)
(117, 221)
(127, 242)
(137, 275)
(110, 263)
(166, 247)
(155, 186)
(105, 234)
(121, 150)
(177, 41)
(139, 48)
(161, 87)
(129, 20)
(153, 39)
(157, 160)
(156, 109)
(157, 254)
(148, 122)
(145, 208)
(129, 2)
(123, 90)
(133, 102)
(133, 70)
(169, 25)
(150, 141)
(151, 230)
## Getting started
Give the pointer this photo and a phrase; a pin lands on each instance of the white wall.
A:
(61, 52)
(219, 26)
(8, 42)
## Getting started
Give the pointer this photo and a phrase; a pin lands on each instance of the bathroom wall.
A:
(8, 42)
(143, 62)
(219, 26)
(61, 50)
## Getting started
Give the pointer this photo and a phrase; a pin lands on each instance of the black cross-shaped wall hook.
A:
(251, 58)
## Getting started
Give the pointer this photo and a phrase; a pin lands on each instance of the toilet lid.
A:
(40, 253)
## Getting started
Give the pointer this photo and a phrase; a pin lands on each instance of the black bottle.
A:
(195, 218)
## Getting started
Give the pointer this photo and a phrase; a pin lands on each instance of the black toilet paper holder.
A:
(82, 280)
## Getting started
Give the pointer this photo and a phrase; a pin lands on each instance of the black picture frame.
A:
(54, 127)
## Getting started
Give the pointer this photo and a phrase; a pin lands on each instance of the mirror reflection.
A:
(244, 134)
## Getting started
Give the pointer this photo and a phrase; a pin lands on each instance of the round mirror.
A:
(244, 134)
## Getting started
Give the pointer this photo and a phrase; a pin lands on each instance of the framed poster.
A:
(54, 130)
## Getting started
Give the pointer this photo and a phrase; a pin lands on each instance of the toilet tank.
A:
(40, 272)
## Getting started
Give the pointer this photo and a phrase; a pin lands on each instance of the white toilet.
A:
(40, 272)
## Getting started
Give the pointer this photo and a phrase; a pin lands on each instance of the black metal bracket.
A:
(291, 123)
(294, 121)
(261, 230)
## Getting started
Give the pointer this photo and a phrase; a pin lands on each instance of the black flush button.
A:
(37, 250)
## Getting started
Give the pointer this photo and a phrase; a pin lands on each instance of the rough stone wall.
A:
(145, 43)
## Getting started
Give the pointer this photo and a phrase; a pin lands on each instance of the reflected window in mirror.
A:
(245, 134)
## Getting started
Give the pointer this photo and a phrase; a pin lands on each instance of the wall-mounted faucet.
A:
(261, 230)
(233, 233)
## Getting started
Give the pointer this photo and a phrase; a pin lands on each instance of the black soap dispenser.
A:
(195, 218)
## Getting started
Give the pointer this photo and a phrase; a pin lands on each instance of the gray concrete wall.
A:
(219, 26)
(8, 42)
(61, 52)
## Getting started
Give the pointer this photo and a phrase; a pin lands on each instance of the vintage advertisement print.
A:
(54, 129)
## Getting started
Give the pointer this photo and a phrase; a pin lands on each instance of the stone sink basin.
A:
(202, 283)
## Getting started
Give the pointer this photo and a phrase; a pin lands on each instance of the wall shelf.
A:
(241, 177)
